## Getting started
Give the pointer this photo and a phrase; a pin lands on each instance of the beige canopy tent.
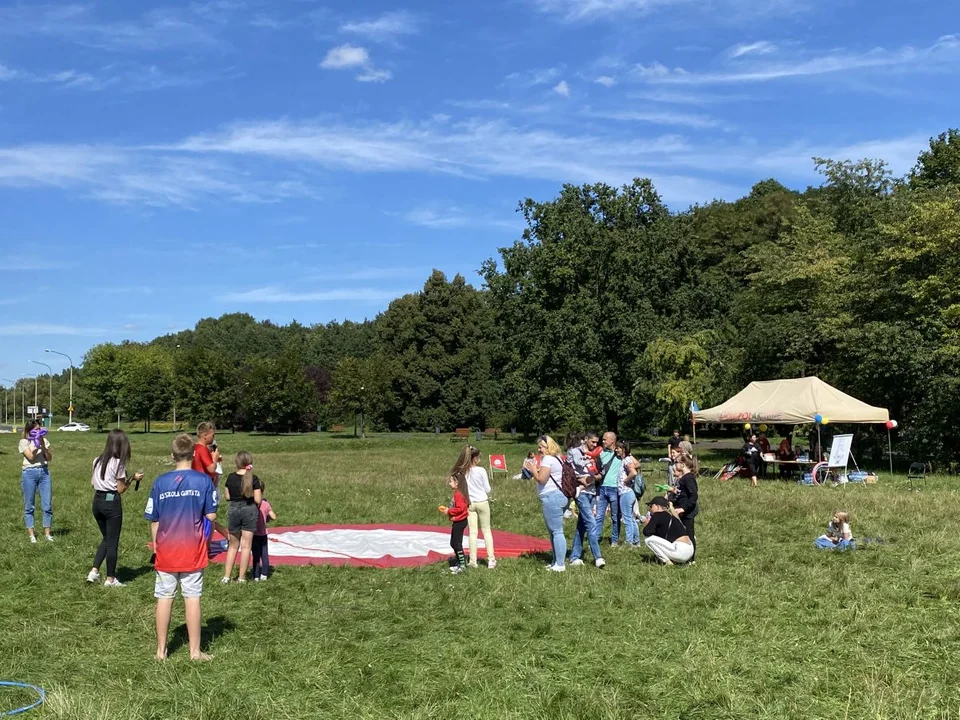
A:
(791, 401)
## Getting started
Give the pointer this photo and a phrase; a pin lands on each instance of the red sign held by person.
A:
(498, 463)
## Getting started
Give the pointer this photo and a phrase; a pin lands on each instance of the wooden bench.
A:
(492, 432)
(336, 429)
(461, 434)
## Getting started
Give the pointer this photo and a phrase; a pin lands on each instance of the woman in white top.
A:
(35, 477)
(478, 485)
(548, 477)
(109, 482)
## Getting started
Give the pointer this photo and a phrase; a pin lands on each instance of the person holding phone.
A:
(35, 477)
(109, 482)
(206, 459)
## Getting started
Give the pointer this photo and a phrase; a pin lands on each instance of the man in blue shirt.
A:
(609, 466)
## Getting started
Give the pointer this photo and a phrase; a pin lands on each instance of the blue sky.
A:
(312, 160)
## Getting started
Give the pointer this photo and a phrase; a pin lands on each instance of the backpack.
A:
(568, 480)
(639, 486)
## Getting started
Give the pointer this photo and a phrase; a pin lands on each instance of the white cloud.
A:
(561, 88)
(346, 56)
(353, 57)
(288, 295)
(530, 78)
(606, 81)
(761, 47)
(158, 29)
(655, 117)
(63, 78)
(943, 54)
(616, 10)
(31, 329)
(384, 29)
(452, 217)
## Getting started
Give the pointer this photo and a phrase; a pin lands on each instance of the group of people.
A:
(601, 475)
(182, 510)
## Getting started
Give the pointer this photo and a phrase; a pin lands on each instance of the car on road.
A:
(74, 427)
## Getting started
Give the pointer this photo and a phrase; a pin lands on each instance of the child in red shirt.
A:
(457, 512)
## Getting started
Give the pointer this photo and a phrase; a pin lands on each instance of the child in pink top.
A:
(261, 555)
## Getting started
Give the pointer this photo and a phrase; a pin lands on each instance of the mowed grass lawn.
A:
(762, 626)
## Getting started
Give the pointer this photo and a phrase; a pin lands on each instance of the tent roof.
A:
(792, 401)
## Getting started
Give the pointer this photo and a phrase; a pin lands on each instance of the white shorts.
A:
(191, 584)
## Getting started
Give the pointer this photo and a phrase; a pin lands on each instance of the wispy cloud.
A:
(761, 47)
(354, 57)
(615, 10)
(387, 28)
(159, 29)
(944, 53)
(606, 81)
(31, 329)
(530, 78)
(654, 117)
(64, 78)
(452, 217)
(561, 88)
(286, 295)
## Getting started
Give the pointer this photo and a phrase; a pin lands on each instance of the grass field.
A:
(762, 626)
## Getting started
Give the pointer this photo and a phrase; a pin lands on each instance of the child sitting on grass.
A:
(838, 536)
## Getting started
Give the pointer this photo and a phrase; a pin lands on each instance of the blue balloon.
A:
(818, 418)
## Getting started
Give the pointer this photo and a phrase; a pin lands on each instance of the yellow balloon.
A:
(763, 428)
(825, 421)
(746, 426)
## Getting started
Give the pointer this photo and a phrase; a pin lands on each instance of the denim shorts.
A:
(242, 516)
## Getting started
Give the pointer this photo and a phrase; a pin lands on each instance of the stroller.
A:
(738, 468)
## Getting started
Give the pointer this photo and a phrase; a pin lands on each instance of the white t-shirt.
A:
(478, 484)
(38, 459)
(556, 472)
(628, 463)
(108, 483)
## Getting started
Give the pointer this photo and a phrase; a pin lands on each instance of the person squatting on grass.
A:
(259, 549)
(607, 496)
(35, 452)
(552, 500)
(839, 535)
(206, 459)
(109, 482)
(684, 498)
(458, 512)
(665, 534)
(244, 493)
(579, 448)
(179, 502)
(626, 498)
(478, 487)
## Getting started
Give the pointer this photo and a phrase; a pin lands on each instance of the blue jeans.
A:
(608, 496)
(33, 480)
(585, 528)
(554, 504)
(631, 530)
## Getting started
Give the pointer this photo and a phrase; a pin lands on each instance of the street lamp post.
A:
(175, 397)
(7, 417)
(50, 377)
(55, 352)
(363, 427)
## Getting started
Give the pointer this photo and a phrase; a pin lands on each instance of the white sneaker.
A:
(472, 565)
(557, 568)
(567, 514)
(518, 476)
(112, 583)
(93, 576)
(456, 570)
(33, 539)
(576, 563)
(49, 538)
(600, 562)
(491, 564)
(225, 581)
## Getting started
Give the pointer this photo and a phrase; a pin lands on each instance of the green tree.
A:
(362, 384)
(940, 165)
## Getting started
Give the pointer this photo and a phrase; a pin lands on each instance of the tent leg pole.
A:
(819, 445)
(890, 451)
(693, 422)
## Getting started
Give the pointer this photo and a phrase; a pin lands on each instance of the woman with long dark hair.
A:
(35, 452)
(109, 482)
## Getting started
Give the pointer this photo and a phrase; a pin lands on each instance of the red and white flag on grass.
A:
(498, 463)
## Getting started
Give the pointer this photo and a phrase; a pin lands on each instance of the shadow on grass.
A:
(60, 532)
(214, 628)
(126, 575)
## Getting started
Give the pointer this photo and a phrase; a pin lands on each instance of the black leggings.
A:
(261, 557)
(688, 524)
(456, 542)
(109, 517)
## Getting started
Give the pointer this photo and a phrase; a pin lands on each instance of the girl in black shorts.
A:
(245, 493)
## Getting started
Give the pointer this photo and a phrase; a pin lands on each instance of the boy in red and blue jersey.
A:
(180, 502)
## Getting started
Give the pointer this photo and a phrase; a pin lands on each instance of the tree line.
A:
(612, 311)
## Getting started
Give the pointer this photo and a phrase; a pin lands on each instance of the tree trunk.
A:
(613, 420)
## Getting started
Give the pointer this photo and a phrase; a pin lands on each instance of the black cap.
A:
(659, 502)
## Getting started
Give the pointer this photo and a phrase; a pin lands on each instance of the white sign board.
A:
(840, 450)
(32, 410)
